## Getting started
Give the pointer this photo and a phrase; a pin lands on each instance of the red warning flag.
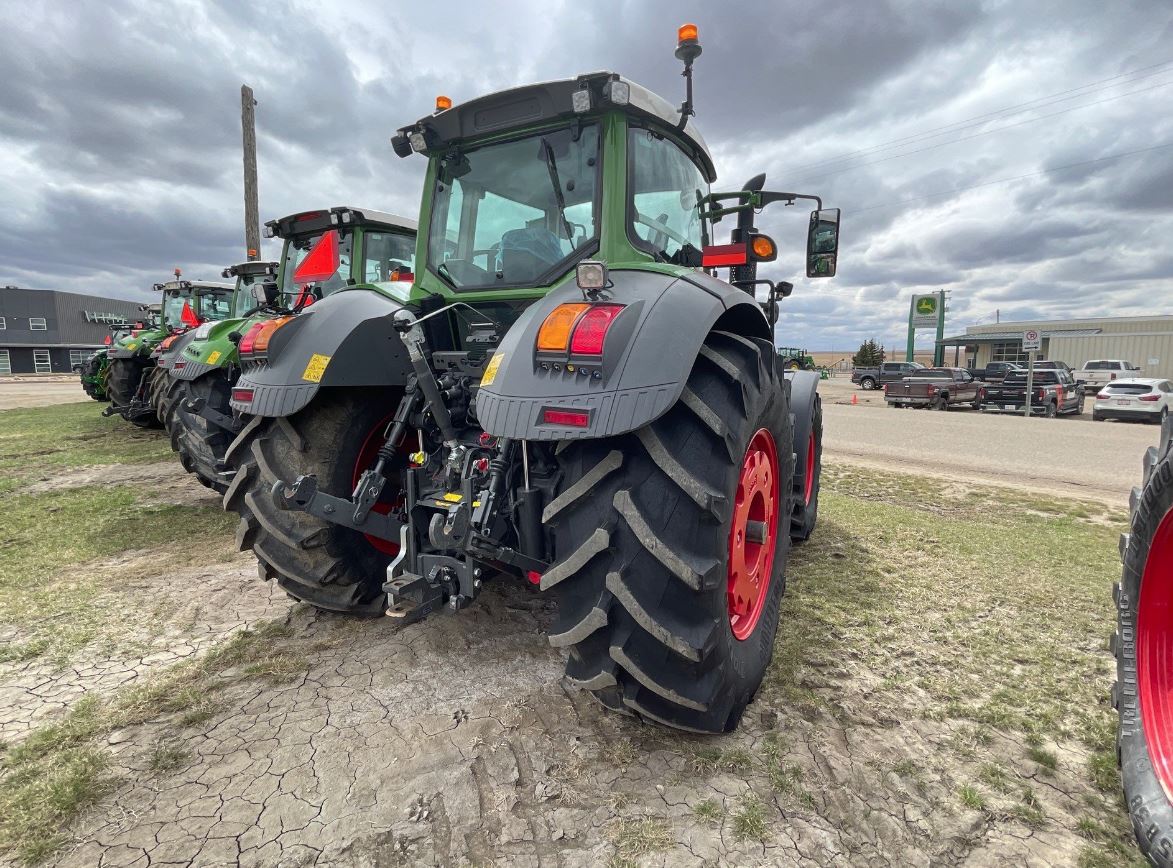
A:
(188, 316)
(321, 262)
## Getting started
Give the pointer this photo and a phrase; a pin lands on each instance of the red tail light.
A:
(570, 418)
(179, 366)
(243, 396)
(719, 255)
(592, 328)
(1150, 398)
(249, 341)
(1102, 395)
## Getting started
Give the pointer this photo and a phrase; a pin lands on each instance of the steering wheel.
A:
(659, 226)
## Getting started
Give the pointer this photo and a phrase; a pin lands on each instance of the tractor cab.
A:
(187, 303)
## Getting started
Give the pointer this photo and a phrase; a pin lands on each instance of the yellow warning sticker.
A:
(316, 368)
(132, 345)
(491, 369)
(214, 357)
(453, 497)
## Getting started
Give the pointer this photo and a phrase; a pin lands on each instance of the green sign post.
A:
(926, 311)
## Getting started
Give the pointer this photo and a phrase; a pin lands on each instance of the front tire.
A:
(323, 564)
(671, 546)
(1144, 664)
(867, 384)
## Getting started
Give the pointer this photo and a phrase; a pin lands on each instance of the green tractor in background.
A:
(324, 251)
(566, 394)
(95, 369)
(133, 380)
(795, 359)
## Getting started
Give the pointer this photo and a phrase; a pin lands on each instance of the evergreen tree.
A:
(870, 355)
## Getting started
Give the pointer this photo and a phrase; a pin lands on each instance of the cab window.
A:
(388, 259)
(667, 190)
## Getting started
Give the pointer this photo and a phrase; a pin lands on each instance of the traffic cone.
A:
(854, 399)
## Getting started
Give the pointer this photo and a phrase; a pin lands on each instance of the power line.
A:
(1019, 108)
(1015, 178)
(809, 178)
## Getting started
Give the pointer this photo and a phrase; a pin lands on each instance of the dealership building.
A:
(43, 331)
(1146, 341)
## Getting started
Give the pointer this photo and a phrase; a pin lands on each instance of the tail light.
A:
(249, 339)
(569, 418)
(265, 334)
(243, 396)
(1111, 376)
(578, 328)
(1150, 398)
(1102, 395)
(1040, 394)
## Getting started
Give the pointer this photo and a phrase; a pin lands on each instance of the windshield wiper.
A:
(552, 168)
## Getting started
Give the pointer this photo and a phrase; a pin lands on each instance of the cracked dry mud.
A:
(454, 742)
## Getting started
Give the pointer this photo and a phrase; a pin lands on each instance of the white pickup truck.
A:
(1096, 373)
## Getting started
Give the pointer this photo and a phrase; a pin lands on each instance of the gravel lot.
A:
(37, 392)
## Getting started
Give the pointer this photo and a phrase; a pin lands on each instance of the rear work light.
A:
(578, 328)
(244, 396)
(249, 340)
(569, 418)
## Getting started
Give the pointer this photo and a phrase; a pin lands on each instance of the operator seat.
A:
(525, 254)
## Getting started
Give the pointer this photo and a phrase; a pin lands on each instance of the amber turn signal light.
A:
(554, 335)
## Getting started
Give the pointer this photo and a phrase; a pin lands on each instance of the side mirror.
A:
(822, 243)
(265, 293)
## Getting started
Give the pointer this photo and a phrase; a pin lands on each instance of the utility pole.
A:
(252, 216)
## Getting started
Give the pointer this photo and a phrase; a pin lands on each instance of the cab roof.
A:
(339, 215)
(536, 103)
(254, 266)
(196, 285)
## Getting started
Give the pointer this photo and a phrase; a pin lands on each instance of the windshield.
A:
(243, 301)
(667, 189)
(173, 308)
(388, 258)
(213, 305)
(318, 263)
(515, 213)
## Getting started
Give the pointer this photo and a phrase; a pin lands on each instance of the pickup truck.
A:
(888, 372)
(937, 388)
(994, 372)
(1055, 393)
(1097, 373)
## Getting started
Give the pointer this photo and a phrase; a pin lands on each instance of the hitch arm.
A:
(303, 496)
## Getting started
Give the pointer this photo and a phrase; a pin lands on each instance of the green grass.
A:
(749, 823)
(71, 435)
(708, 810)
(59, 770)
(53, 588)
(634, 837)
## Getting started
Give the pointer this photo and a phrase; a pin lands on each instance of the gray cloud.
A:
(119, 135)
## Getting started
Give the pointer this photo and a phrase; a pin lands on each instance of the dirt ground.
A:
(39, 392)
(924, 707)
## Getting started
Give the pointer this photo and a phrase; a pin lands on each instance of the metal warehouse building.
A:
(1146, 341)
(43, 331)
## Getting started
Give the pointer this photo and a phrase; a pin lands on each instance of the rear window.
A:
(1042, 378)
(1129, 389)
(1102, 365)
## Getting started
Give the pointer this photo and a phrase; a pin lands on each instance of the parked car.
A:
(994, 372)
(937, 388)
(1054, 393)
(1045, 365)
(1137, 398)
(887, 372)
(1096, 373)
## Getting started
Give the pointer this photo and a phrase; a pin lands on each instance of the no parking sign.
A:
(1032, 340)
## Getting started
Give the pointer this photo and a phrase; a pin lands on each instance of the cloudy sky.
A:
(1018, 154)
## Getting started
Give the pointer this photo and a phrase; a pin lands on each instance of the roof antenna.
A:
(688, 49)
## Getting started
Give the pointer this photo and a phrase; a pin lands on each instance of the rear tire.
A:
(323, 564)
(1052, 411)
(941, 403)
(126, 375)
(201, 444)
(1144, 626)
(644, 530)
(867, 384)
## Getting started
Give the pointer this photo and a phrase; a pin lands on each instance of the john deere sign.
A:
(924, 311)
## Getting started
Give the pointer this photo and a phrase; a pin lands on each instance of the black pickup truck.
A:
(1055, 393)
(995, 372)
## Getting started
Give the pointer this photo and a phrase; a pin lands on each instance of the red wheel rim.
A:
(808, 487)
(366, 460)
(1154, 653)
(753, 534)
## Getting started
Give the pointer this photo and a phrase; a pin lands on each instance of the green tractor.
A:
(324, 251)
(795, 359)
(1143, 647)
(135, 380)
(565, 394)
(94, 370)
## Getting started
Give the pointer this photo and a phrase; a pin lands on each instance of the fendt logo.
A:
(926, 305)
(105, 318)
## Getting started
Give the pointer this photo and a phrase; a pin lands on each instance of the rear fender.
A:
(649, 353)
(346, 339)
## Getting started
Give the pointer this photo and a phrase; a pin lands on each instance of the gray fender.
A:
(649, 353)
(804, 392)
(167, 359)
(351, 330)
